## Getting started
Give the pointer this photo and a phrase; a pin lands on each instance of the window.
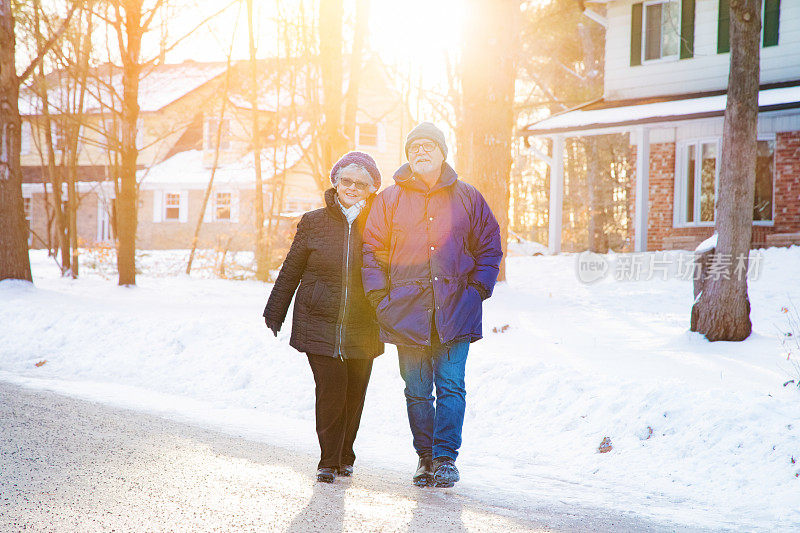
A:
(26, 204)
(765, 172)
(222, 206)
(367, 135)
(770, 17)
(212, 124)
(59, 136)
(699, 178)
(172, 206)
(661, 30)
(105, 209)
(25, 138)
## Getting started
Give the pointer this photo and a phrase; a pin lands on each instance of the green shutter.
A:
(636, 34)
(772, 9)
(724, 27)
(687, 29)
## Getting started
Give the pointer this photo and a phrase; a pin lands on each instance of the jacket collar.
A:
(333, 206)
(405, 178)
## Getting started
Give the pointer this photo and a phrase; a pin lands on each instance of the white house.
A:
(666, 75)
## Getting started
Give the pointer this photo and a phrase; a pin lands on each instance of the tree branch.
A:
(47, 46)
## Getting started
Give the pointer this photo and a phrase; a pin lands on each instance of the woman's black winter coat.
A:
(327, 320)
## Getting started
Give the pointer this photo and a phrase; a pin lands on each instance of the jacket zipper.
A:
(345, 283)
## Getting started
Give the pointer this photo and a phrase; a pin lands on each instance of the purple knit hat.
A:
(361, 159)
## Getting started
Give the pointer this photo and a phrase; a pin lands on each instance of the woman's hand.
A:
(275, 329)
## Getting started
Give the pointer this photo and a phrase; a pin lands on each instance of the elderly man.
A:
(431, 256)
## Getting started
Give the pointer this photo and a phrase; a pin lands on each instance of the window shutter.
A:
(183, 214)
(158, 198)
(687, 29)
(724, 27)
(772, 9)
(636, 34)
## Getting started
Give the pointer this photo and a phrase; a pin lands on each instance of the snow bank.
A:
(702, 433)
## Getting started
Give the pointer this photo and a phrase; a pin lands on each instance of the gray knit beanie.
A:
(427, 130)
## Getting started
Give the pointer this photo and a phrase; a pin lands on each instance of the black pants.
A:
(341, 387)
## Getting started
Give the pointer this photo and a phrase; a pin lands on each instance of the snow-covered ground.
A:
(702, 433)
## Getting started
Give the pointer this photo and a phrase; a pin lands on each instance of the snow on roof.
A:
(187, 169)
(157, 88)
(626, 115)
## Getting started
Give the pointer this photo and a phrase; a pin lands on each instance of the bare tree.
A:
(722, 309)
(215, 163)
(14, 260)
(333, 142)
(487, 113)
(260, 249)
(131, 20)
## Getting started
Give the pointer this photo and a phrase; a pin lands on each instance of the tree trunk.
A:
(14, 261)
(73, 146)
(126, 203)
(723, 308)
(330, 51)
(260, 246)
(351, 99)
(53, 173)
(487, 114)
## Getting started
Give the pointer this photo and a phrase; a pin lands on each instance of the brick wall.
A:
(787, 182)
(660, 231)
(172, 234)
(661, 194)
(86, 221)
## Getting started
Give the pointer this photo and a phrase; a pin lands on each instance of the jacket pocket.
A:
(314, 296)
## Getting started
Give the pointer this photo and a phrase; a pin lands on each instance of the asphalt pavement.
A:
(72, 465)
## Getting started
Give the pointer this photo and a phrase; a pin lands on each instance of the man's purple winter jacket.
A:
(430, 253)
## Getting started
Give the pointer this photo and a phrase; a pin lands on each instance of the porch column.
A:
(642, 189)
(556, 195)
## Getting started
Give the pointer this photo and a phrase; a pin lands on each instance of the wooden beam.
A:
(556, 195)
(642, 189)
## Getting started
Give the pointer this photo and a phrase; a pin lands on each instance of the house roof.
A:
(157, 88)
(604, 114)
(188, 170)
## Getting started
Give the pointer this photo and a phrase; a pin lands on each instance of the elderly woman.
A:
(333, 322)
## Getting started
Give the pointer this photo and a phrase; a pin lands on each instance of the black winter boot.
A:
(445, 473)
(423, 477)
(326, 474)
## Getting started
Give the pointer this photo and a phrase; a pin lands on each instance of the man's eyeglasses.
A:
(347, 183)
(416, 147)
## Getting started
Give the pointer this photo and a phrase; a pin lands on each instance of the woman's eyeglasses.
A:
(347, 183)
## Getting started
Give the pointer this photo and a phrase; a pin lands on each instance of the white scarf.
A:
(350, 213)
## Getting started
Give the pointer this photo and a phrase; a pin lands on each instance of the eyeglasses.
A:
(427, 146)
(347, 183)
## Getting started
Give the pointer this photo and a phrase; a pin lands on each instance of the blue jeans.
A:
(436, 429)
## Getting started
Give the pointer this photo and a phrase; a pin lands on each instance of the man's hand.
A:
(275, 329)
(375, 297)
(481, 291)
